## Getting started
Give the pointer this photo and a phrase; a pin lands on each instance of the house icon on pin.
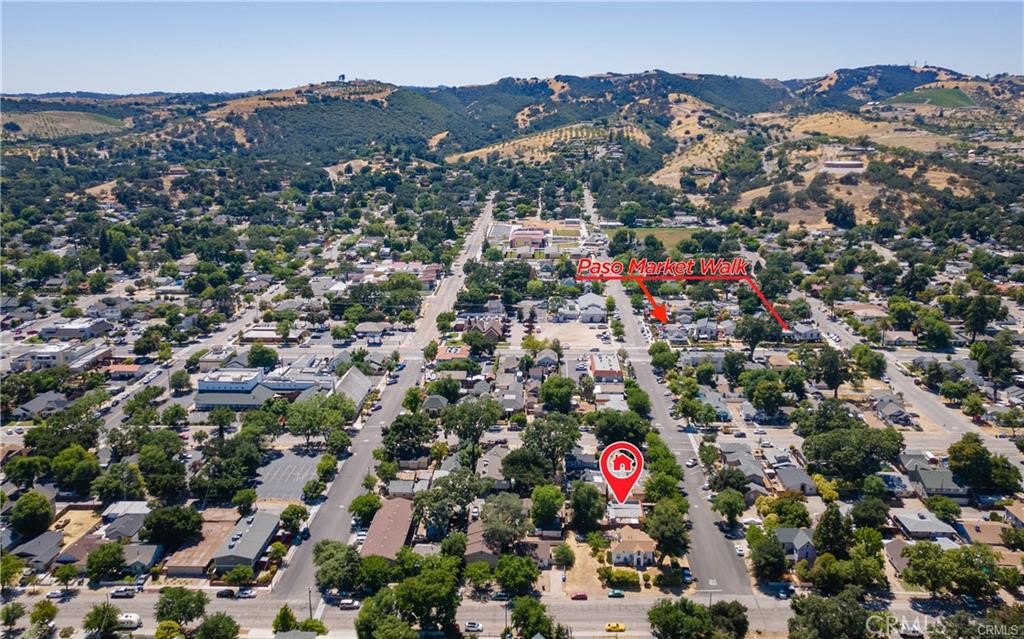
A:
(622, 463)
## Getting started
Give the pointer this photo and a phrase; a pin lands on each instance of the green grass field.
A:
(935, 97)
(669, 236)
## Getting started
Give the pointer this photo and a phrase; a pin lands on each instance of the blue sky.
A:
(148, 46)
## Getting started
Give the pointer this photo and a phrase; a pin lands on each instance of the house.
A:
(592, 308)
(899, 338)
(981, 531)
(477, 548)
(539, 550)
(923, 526)
(489, 466)
(140, 558)
(894, 553)
(389, 530)
(40, 552)
(125, 527)
(803, 332)
(42, 405)
(796, 480)
(797, 543)
(434, 404)
(939, 481)
(120, 509)
(633, 547)
(354, 385)
(1014, 514)
(546, 357)
(247, 542)
(716, 401)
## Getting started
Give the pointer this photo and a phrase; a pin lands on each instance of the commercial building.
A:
(247, 543)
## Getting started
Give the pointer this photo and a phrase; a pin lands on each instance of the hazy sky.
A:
(146, 46)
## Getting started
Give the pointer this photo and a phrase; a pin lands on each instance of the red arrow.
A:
(657, 310)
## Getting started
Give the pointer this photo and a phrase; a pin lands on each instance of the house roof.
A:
(893, 550)
(632, 540)
(253, 534)
(389, 530)
(797, 537)
(982, 531)
(125, 526)
(354, 385)
(43, 548)
(792, 477)
(145, 554)
(924, 523)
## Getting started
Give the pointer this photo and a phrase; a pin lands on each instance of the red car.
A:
(579, 596)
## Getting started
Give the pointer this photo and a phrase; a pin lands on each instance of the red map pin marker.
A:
(621, 465)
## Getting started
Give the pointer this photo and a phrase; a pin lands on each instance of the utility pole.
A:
(309, 594)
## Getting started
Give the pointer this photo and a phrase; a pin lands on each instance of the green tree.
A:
(43, 613)
(102, 619)
(64, 574)
(834, 532)
(838, 617)
(365, 506)
(478, 576)
(667, 527)
(870, 512)
(244, 500)
(168, 630)
(680, 619)
(74, 469)
(547, 503)
(754, 330)
(768, 558)
(261, 356)
(292, 517)
(556, 392)
(181, 605)
(515, 574)
(943, 507)
(530, 618)
(285, 620)
(730, 504)
(106, 560)
(553, 436)
(219, 625)
(663, 356)
(504, 520)
(239, 576)
(588, 506)
(171, 526)
(564, 555)
(31, 515)
(11, 613)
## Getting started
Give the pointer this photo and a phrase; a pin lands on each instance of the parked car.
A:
(474, 626)
(579, 596)
(227, 593)
(55, 594)
(122, 593)
(616, 594)
(500, 596)
(246, 593)
(348, 604)
(614, 627)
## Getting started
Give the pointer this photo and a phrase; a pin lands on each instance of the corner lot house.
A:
(633, 548)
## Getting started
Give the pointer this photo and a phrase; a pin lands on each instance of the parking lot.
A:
(284, 477)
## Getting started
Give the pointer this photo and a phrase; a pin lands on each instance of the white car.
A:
(245, 593)
(691, 462)
(740, 551)
(55, 594)
(760, 431)
(348, 604)
(474, 626)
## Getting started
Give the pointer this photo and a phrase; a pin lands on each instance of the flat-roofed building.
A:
(247, 542)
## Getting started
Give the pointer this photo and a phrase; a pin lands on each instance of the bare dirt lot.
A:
(572, 335)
